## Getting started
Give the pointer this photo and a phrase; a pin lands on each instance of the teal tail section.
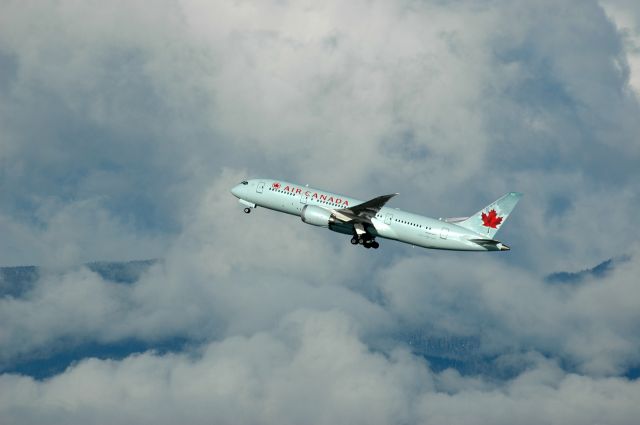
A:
(490, 219)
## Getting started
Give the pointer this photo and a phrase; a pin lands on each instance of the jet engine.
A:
(317, 216)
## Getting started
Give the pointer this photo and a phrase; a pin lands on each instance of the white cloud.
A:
(426, 99)
(514, 310)
(245, 281)
(626, 16)
(311, 368)
(122, 127)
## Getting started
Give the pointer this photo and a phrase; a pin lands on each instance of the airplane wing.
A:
(364, 212)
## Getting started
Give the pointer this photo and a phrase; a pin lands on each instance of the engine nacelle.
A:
(317, 216)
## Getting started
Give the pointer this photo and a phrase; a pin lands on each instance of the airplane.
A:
(366, 221)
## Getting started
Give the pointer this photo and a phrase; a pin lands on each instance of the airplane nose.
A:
(236, 191)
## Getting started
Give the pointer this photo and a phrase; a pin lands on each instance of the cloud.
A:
(424, 99)
(626, 16)
(123, 126)
(313, 368)
(208, 289)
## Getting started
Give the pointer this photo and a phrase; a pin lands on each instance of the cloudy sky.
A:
(123, 124)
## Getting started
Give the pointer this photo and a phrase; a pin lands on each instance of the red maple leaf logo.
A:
(276, 185)
(491, 220)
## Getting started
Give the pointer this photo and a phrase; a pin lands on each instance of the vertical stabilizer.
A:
(490, 219)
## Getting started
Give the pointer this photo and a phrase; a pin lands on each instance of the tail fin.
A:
(488, 220)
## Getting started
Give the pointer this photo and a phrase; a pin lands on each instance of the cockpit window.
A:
(244, 182)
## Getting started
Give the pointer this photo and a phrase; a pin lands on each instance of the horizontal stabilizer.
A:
(491, 244)
(455, 219)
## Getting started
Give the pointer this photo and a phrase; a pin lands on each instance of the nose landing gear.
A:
(247, 210)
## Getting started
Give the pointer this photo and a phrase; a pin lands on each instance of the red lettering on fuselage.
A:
(309, 194)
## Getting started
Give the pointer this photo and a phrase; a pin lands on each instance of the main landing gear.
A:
(366, 242)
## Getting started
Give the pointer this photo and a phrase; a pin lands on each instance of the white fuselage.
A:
(389, 223)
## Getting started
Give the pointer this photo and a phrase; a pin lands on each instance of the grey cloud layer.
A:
(122, 126)
(314, 369)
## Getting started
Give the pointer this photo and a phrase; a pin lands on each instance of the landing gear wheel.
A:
(361, 241)
(367, 245)
(375, 245)
(247, 210)
(354, 241)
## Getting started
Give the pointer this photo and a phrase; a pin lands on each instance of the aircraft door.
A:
(303, 198)
(260, 187)
(444, 233)
(388, 218)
